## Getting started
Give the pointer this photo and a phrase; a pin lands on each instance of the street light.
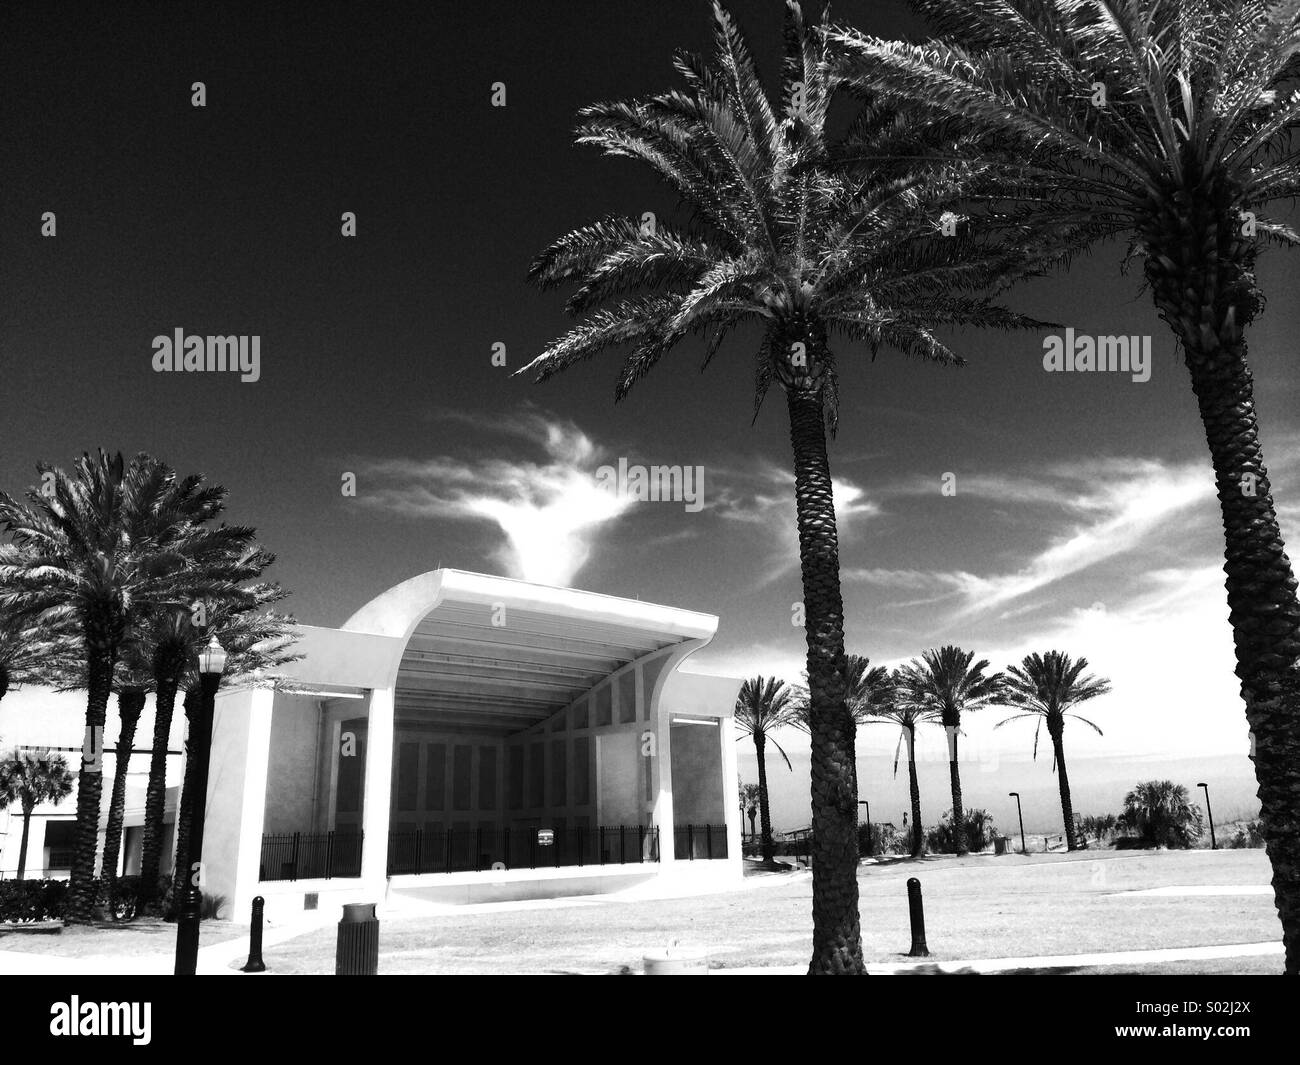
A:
(1214, 846)
(1024, 848)
(870, 846)
(212, 663)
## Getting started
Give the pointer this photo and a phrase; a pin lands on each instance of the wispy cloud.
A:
(548, 509)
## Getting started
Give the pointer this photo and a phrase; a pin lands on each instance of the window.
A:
(60, 837)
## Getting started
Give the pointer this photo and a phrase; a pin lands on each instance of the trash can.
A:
(358, 943)
(1001, 844)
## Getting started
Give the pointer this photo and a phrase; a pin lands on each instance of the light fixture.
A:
(212, 659)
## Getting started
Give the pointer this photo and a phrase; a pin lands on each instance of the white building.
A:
(467, 738)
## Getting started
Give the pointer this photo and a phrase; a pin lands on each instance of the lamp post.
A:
(870, 845)
(212, 662)
(1024, 848)
(1214, 846)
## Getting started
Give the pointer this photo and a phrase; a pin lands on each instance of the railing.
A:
(311, 856)
(477, 849)
(700, 841)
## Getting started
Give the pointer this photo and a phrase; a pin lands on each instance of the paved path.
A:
(1059, 961)
(214, 960)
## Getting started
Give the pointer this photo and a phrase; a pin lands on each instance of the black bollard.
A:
(255, 963)
(358, 943)
(919, 949)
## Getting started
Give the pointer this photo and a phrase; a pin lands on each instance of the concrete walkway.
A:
(214, 960)
(1059, 961)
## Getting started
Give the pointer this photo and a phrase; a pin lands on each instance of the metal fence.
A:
(475, 849)
(311, 855)
(700, 841)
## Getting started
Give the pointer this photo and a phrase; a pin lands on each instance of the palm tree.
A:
(762, 706)
(1181, 153)
(133, 683)
(784, 240)
(173, 641)
(898, 709)
(95, 550)
(944, 684)
(256, 645)
(1160, 811)
(1046, 687)
(29, 654)
(31, 778)
(749, 795)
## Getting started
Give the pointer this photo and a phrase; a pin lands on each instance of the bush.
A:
(882, 841)
(211, 907)
(24, 901)
(1251, 835)
(978, 829)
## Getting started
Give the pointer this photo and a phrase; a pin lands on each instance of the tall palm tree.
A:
(88, 552)
(133, 682)
(944, 684)
(785, 243)
(256, 645)
(899, 709)
(1182, 156)
(94, 549)
(1046, 688)
(763, 706)
(30, 778)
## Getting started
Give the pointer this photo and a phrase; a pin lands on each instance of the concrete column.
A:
(731, 793)
(241, 751)
(661, 766)
(377, 802)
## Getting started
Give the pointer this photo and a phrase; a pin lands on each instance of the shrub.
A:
(1160, 812)
(211, 907)
(1250, 836)
(24, 901)
(978, 827)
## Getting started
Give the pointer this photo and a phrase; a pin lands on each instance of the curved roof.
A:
(492, 653)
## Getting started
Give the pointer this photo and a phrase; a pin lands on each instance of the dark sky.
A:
(1076, 493)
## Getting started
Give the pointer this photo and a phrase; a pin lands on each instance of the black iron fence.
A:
(700, 841)
(311, 855)
(475, 849)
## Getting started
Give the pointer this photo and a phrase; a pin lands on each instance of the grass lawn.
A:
(133, 939)
(975, 907)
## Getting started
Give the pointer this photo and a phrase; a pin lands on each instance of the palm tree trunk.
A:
(837, 939)
(958, 814)
(22, 846)
(129, 706)
(765, 811)
(918, 833)
(1205, 291)
(101, 656)
(1067, 808)
(155, 795)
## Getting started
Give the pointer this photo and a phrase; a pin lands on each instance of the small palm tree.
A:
(1169, 124)
(901, 710)
(762, 706)
(1046, 688)
(30, 778)
(749, 795)
(787, 241)
(1161, 812)
(944, 684)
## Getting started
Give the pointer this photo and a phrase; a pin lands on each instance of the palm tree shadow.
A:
(933, 969)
